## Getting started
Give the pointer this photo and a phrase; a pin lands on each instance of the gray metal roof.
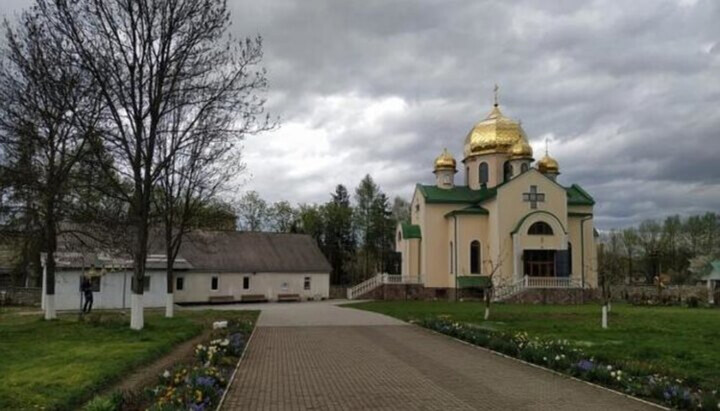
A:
(213, 251)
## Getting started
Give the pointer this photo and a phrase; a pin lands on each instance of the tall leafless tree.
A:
(150, 58)
(46, 99)
(194, 177)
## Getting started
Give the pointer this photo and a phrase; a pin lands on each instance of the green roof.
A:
(578, 196)
(457, 194)
(476, 281)
(468, 210)
(410, 230)
(465, 195)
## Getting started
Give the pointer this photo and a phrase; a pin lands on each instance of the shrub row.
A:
(567, 358)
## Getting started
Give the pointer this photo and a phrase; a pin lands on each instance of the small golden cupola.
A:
(445, 169)
(521, 149)
(548, 165)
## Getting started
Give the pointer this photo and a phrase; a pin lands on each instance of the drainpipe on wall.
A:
(454, 257)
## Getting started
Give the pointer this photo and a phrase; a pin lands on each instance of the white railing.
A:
(504, 292)
(507, 291)
(364, 287)
(549, 282)
(380, 279)
(400, 279)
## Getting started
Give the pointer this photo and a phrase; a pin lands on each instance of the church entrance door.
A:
(539, 263)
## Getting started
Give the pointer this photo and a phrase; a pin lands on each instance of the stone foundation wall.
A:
(20, 296)
(559, 296)
(408, 292)
(673, 293)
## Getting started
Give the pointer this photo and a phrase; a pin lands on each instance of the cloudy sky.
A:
(626, 92)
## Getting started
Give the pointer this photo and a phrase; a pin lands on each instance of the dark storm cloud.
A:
(625, 92)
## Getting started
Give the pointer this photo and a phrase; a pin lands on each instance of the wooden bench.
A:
(255, 298)
(288, 297)
(221, 299)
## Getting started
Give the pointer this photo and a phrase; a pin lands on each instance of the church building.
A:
(508, 220)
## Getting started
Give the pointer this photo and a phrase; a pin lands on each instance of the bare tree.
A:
(609, 268)
(192, 180)
(150, 58)
(45, 100)
(492, 267)
(252, 212)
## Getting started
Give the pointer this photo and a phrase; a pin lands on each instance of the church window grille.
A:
(524, 167)
(540, 228)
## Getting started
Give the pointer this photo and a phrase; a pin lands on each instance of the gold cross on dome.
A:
(496, 94)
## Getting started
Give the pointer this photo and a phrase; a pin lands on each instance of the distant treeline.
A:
(677, 249)
(355, 234)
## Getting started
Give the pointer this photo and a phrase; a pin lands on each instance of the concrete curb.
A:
(652, 404)
(237, 366)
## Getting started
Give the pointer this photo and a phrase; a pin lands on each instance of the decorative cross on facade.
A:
(534, 197)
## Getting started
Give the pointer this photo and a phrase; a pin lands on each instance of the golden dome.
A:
(495, 134)
(548, 164)
(521, 149)
(445, 161)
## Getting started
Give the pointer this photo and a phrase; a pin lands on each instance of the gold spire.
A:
(445, 161)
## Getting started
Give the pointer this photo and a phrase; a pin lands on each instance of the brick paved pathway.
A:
(390, 367)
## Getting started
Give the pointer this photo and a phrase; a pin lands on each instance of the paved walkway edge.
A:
(237, 366)
(646, 402)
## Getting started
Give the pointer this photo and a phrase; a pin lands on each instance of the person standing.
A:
(88, 294)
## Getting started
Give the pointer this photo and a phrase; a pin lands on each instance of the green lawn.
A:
(60, 364)
(675, 341)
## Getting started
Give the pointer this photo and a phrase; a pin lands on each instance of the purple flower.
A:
(585, 365)
(205, 381)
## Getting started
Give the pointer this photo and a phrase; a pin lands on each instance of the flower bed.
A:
(195, 386)
(565, 357)
(200, 386)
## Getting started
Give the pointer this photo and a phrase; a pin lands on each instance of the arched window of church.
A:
(507, 171)
(524, 167)
(540, 228)
(475, 257)
(483, 173)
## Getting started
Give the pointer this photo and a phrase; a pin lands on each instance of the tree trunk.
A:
(51, 241)
(137, 320)
(169, 262)
(487, 303)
